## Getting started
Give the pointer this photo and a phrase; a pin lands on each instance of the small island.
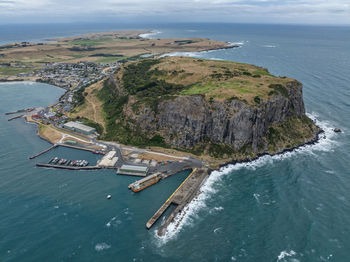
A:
(153, 115)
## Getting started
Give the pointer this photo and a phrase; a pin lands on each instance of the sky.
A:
(327, 12)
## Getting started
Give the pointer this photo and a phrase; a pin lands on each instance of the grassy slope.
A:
(150, 81)
(219, 80)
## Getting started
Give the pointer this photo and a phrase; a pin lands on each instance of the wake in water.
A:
(325, 143)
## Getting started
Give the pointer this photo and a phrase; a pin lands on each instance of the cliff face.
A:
(218, 109)
(186, 121)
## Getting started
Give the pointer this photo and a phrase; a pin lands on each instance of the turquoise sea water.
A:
(292, 207)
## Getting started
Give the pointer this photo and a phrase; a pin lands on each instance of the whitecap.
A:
(210, 186)
(218, 208)
(108, 224)
(217, 230)
(269, 46)
(256, 196)
(102, 246)
(284, 254)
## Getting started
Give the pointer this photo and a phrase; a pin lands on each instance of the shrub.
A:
(280, 89)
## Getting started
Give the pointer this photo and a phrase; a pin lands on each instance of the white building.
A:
(79, 127)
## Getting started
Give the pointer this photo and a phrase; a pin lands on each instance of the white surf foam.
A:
(241, 43)
(108, 224)
(210, 187)
(200, 53)
(150, 34)
(102, 246)
(18, 82)
(284, 254)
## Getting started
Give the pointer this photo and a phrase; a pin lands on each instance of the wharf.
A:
(130, 173)
(16, 112)
(181, 197)
(15, 117)
(43, 152)
(78, 147)
(68, 167)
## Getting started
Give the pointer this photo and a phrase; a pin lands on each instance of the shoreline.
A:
(313, 141)
(177, 220)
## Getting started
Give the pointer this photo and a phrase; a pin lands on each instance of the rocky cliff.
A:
(252, 115)
(187, 121)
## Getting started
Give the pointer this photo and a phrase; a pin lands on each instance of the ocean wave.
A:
(18, 82)
(102, 246)
(200, 54)
(326, 142)
(109, 223)
(269, 46)
(192, 54)
(284, 254)
(242, 43)
(150, 34)
(189, 54)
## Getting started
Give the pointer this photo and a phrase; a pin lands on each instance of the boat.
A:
(109, 196)
(145, 182)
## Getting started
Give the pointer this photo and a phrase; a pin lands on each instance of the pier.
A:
(68, 167)
(77, 147)
(181, 197)
(15, 117)
(43, 152)
(16, 112)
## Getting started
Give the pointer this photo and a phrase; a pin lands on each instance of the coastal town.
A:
(202, 111)
(62, 130)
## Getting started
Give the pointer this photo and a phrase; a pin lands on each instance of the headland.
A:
(153, 116)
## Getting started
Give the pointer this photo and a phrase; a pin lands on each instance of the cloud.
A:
(314, 11)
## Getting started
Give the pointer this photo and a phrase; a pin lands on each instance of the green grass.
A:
(198, 89)
(13, 71)
(77, 56)
(261, 73)
(202, 89)
(110, 59)
(86, 42)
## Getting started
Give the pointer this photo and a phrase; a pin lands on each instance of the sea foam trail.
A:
(325, 143)
(150, 35)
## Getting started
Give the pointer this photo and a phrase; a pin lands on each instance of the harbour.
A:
(180, 198)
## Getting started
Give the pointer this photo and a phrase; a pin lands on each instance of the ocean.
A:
(291, 207)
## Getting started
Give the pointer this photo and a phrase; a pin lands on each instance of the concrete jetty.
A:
(77, 147)
(16, 112)
(181, 197)
(68, 167)
(15, 117)
(43, 152)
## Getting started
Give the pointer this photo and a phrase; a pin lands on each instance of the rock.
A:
(337, 130)
(188, 120)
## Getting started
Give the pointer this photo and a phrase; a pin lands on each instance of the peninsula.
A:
(217, 111)
(153, 115)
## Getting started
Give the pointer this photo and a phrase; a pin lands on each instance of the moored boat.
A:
(145, 182)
